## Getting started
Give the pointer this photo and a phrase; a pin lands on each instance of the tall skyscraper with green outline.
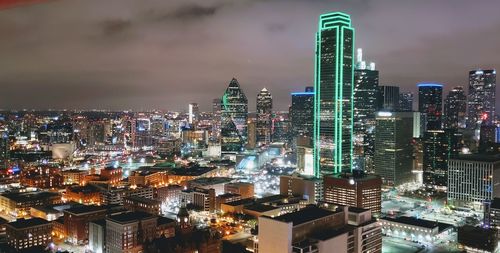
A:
(333, 102)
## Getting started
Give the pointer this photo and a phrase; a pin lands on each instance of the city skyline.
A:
(125, 56)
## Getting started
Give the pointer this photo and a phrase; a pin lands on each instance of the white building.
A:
(473, 179)
(315, 229)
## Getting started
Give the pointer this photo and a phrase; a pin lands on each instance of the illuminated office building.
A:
(455, 106)
(234, 118)
(481, 102)
(194, 112)
(406, 101)
(439, 146)
(365, 105)
(430, 102)
(333, 103)
(393, 147)
(301, 113)
(389, 98)
(264, 114)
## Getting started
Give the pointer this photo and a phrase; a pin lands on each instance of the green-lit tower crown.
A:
(333, 102)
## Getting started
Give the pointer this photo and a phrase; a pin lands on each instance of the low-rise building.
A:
(246, 190)
(19, 204)
(76, 222)
(27, 233)
(134, 203)
(200, 198)
(73, 176)
(413, 229)
(88, 194)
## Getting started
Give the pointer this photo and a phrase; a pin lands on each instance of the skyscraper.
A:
(301, 113)
(365, 96)
(439, 146)
(481, 103)
(333, 103)
(194, 112)
(393, 147)
(430, 102)
(389, 98)
(234, 118)
(455, 106)
(216, 117)
(405, 101)
(264, 113)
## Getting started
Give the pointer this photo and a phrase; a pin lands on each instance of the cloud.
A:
(164, 54)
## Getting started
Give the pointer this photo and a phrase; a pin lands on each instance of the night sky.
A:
(144, 54)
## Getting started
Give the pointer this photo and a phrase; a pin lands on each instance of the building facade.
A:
(393, 147)
(264, 114)
(333, 102)
(481, 98)
(455, 108)
(430, 102)
(473, 180)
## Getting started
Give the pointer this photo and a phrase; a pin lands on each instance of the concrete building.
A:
(136, 204)
(413, 229)
(393, 147)
(314, 229)
(246, 190)
(354, 189)
(76, 222)
(201, 198)
(473, 180)
(308, 188)
(27, 233)
(127, 232)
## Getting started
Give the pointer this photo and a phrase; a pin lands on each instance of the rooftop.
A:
(206, 181)
(418, 222)
(83, 209)
(353, 209)
(143, 200)
(478, 158)
(304, 215)
(130, 217)
(29, 196)
(260, 207)
(244, 202)
(331, 233)
(26, 223)
(191, 171)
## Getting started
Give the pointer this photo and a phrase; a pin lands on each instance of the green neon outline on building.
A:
(340, 22)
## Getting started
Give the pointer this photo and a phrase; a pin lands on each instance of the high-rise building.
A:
(473, 179)
(438, 147)
(333, 101)
(366, 93)
(481, 102)
(216, 118)
(280, 127)
(393, 147)
(264, 113)
(194, 112)
(455, 106)
(234, 118)
(4, 148)
(235, 107)
(430, 102)
(301, 113)
(406, 101)
(388, 98)
(354, 189)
